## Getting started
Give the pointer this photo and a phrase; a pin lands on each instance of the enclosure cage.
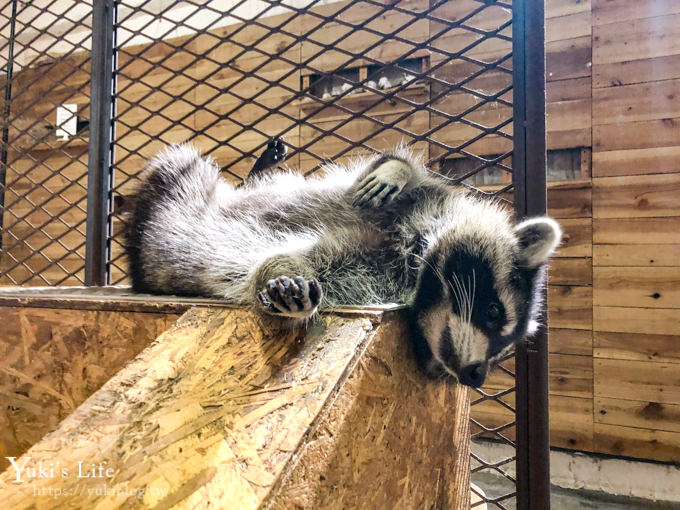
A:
(92, 90)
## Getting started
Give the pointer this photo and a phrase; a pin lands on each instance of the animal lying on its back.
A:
(380, 230)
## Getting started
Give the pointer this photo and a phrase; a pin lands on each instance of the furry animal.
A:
(380, 230)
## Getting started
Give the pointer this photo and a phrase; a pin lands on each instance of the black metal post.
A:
(529, 167)
(5, 117)
(99, 160)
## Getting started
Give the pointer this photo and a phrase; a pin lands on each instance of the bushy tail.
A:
(178, 178)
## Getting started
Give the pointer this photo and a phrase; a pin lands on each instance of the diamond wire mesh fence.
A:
(44, 55)
(335, 80)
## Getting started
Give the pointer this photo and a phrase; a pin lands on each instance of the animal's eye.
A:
(494, 313)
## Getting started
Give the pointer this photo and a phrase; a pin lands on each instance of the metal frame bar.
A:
(99, 180)
(6, 114)
(529, 164)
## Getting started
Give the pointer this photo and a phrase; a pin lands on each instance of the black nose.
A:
(473, 375)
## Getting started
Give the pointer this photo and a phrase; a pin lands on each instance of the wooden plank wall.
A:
(636, 227)
(613, 83)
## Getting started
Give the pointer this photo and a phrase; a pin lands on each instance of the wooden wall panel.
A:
(635, 442)
(613, 11)
(655, 321)
(577, 271)
(636, 255)
(635, 103)
(644, 287)
(637, 380)
(637, 161)
(571, 341)
(577, 239)
(636, 231)
(636, 346)
(636, 196)
(635, 39)
(570, 307)
(636, 71)
(641, 414)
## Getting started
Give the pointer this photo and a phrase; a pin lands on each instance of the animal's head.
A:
(478, 290)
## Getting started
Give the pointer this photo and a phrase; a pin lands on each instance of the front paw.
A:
(297, 298)
(383, 184)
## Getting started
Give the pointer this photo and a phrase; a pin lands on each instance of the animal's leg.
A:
(272, 157)
(384, 183)
(285, 286)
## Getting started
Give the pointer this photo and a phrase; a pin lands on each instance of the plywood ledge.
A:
(228, 410)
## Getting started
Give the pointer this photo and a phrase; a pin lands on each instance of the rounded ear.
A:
(538, 238)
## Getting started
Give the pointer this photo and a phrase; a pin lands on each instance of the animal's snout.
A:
(473, 375)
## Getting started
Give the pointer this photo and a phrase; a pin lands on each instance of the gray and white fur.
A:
(380, 230)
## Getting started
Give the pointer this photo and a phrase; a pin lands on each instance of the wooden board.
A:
(636, 196)
(635, 103)
(570, 307)
(637, 443)
(645, 415)
(636, 346)
(608, 11)
(570, 341)
(570, 376)
(636, 231)
(636, 71)
(570, 200)
(565, 271)
(577, 239)
(635, 39)
(637, 380)
(53, 359)
(656, 133)
(645, 287)
(657, 160)
(228, 408)
(655, 321)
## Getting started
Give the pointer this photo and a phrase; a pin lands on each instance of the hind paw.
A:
(295, 297)
(273, 156)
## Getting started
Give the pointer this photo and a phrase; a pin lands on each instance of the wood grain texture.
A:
(634, 39)
(55, 359)
(613, 11)
(570, 306)
(637, 380)
(656, 160)
(570, 341)
(227, 408)
(635, 103)
(654, 321)
(577, 238)
(636, 196)
(644, 415)
(636, 230)
(637, 443)
(646, 134)
(577, 271)
(641, 287)
(636, 71)
(636, 346)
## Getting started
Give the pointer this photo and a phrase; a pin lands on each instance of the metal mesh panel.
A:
(335, 80)
(44, 55)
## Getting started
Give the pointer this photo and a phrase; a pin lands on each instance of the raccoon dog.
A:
(382, 229)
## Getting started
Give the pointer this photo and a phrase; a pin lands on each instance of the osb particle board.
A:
(221, 409)
(52, 360)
